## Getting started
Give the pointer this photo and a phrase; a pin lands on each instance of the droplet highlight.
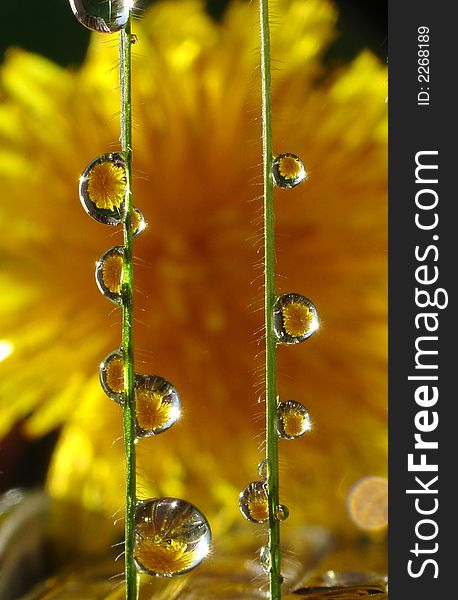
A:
(281, 512)
(295, 318)
(254, 502)
(288, 170)
(104, 16)
(111, 374)
(103, 188)
(108, 273)
(157, 405)
(171, 537)
(293, 420)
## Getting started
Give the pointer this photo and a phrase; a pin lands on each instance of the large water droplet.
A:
(293, 420)
(281, 512)
(157, 405)
(171, 536)
(262, 469)
(254, 502)
(108, 273)
(103, 187)
(295, 318)
(288, 170)
(111, 375)
(105, 16)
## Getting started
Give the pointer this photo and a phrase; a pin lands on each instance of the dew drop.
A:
(111, 373)
(157, 405)
(293, 420)
(288, 170)
(103, 187)
(105, 16)
(281, 512)
(133, 38)
(108, 273)
(295, 318)
(254, 502)
(262, 469)
(138, 222)
(264, 557)
(171, 536)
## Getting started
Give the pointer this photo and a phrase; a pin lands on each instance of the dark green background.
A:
(49, 28)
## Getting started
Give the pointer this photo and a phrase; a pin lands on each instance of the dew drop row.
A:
(171, 535)
(295, 319)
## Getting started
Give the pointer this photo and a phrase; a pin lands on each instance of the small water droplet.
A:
(293, 420)
(105, 16)
(103, 187)
(111, 375)
(295, 318)
(262, 469)
(288, 170)
(254, 502)
(157, 405)
(133, 38)
(171, 536)
(108, 273)
(281, 512)
(264, 557)
(138, 222)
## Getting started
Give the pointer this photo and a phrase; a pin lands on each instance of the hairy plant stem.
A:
(270, 296)
(128, 317)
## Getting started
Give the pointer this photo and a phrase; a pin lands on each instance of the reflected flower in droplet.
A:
(171, 536)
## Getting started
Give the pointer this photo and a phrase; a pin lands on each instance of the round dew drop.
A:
(254, 502)
(262, 469)
(108, 273)
(295, 318)
(157, 405)
(264, 557)
(281, 512)
(288, 170)
(293, 420)
(138, 222)
(171, 537)
(105, 16)
(111, 374)
(103, 188)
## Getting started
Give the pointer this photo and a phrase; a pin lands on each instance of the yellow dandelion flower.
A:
(106, 185)
(196, 90)
(112, 270)
(297, 319)
(289, 167)
(258, 507)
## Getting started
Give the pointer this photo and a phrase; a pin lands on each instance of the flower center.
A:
(151, 410)
(165, 557)
(293, 423)
(289, 167)
(115, 374)
(259, 508)
(297, 319)
(112, 273)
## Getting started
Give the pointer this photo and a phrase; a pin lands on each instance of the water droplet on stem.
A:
(103, 188)
(254, 502)
(108, 273)
(104, 16)
(295, 318)
(111, 374)
(157, 405)
(171, 536)
(281, 512)
(293, 420)
(288, 170)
